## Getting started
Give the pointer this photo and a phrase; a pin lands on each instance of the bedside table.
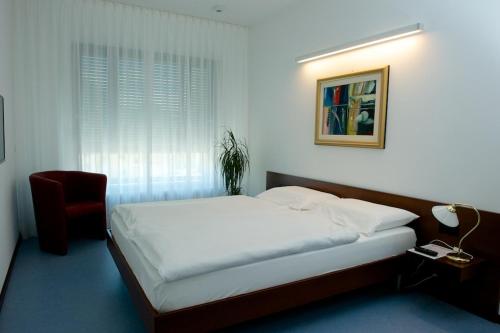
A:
(472, 286)
(448, 270)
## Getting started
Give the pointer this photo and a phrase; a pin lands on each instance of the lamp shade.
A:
(446, 215)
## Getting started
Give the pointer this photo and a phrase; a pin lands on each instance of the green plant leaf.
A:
(234, 162)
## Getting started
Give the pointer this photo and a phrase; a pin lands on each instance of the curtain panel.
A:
(141, 95)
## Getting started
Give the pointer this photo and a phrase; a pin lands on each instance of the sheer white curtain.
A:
(138, 94)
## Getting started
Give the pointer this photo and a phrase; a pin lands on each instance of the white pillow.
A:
(366, 217)
(296, 197)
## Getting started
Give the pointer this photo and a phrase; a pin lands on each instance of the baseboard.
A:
(9, 271)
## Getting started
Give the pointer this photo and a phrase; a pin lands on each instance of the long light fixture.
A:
(368, 41)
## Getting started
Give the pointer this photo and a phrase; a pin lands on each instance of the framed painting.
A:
(351, 109)
(2, 132)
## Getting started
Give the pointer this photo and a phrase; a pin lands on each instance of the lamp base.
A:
(459, 257)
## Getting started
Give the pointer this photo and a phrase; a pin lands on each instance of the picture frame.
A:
(2, 131)
(351, 109)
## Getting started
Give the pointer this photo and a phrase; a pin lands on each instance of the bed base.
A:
(237, 309)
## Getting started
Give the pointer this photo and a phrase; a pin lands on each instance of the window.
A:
(148, 122)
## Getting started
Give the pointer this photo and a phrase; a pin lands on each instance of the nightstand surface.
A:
(458, 272)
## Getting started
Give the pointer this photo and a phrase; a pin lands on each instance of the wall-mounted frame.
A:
(2, 131)
(351, 109)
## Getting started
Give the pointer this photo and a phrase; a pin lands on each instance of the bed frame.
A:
(232, 310)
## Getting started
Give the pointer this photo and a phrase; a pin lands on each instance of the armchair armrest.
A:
(48, 204)
(47, 194)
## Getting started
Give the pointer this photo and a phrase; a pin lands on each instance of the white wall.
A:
(443, 127)
(8, 228)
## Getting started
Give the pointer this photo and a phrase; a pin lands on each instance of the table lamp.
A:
(447, 215)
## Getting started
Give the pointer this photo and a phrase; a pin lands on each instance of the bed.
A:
(203, 288)
(221, 297)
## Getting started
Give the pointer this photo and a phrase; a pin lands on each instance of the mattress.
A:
(188, 238)
(167, 296)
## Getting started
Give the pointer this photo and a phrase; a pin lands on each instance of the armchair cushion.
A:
(81, 209)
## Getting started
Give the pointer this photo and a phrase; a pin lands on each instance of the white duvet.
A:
(191, 237)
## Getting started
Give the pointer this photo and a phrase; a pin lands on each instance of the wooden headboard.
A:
(485, 241)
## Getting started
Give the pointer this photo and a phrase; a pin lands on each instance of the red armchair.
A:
(67, 201)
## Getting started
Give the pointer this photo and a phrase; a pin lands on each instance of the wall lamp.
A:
(368, 41)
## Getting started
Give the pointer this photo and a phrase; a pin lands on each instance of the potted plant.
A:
(234, 161)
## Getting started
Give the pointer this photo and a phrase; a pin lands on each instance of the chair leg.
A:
(53, 245)
(95, 226)
(101, 227)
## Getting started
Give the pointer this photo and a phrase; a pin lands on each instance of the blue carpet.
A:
(83, 292)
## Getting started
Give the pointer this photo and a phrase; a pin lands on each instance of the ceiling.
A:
(242, 12)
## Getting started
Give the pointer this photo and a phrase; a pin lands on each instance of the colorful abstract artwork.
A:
(351, 109)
